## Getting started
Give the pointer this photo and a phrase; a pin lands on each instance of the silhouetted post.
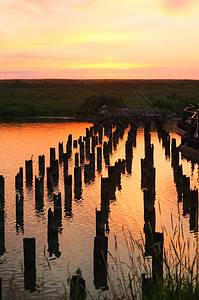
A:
(2, 232)
(19, 181)
(65, 160)
(42, 165)
(29, 263)
(55, 172)
(99, 159)
(52, 156)
(2, 192)
(106, 154)
(68, 194)
(77, 287)
(76, 159)
(19, 212)
(69, 146)
(81, 152)
(193, 221)
(61, 151)
(29, 172)
(49, 179)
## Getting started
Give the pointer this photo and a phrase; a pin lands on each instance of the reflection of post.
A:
(2, 192)
(157, 257)
(193, 221)
(99, 159)
(53, 245)
(81, 145)
(19, 212)
(100, 253)
(77, 182)
(2, 232)
(68, 195)
(147, 287)
(52, 155)
(57, 209)
(29, 263)
(39, 193)
(77, 287)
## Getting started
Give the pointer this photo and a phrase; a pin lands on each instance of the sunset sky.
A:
(99, 39)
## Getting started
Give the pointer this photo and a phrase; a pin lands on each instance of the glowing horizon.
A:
(90, 39)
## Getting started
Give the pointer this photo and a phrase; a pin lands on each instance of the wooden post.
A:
(75, 144)
(61, 151)
(100, 262)
(77, 287)
(29, 172)
(19, 181)
(157, 257)
(57, 208)
(42, 165)
(52, 156)
(69, 146)
(29, 263)
(39, 193)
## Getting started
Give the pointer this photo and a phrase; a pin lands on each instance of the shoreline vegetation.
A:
(64, 98)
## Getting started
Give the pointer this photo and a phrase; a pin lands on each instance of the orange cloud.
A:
(178, 4)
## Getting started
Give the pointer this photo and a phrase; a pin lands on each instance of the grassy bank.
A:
(68, 97)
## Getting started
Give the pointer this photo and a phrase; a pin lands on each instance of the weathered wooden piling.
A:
(19, 212)
(100, 132)
(52, 156)
(99, 159)
(77, 287)
(69, 146)
(112, 175)
(29, 246)
(19, 181)
(76, 159)
(53, 242)
(29, 171)
(2, 192)
(2, 232)
(68, 195)
(105, 194)
(42, 165)
(149, 220)
(61, 151)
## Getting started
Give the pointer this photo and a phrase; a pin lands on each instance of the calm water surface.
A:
(20, 142)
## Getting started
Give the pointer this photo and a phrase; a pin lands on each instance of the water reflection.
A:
(104, 160)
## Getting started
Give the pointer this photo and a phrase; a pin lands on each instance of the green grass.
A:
(58, 97)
